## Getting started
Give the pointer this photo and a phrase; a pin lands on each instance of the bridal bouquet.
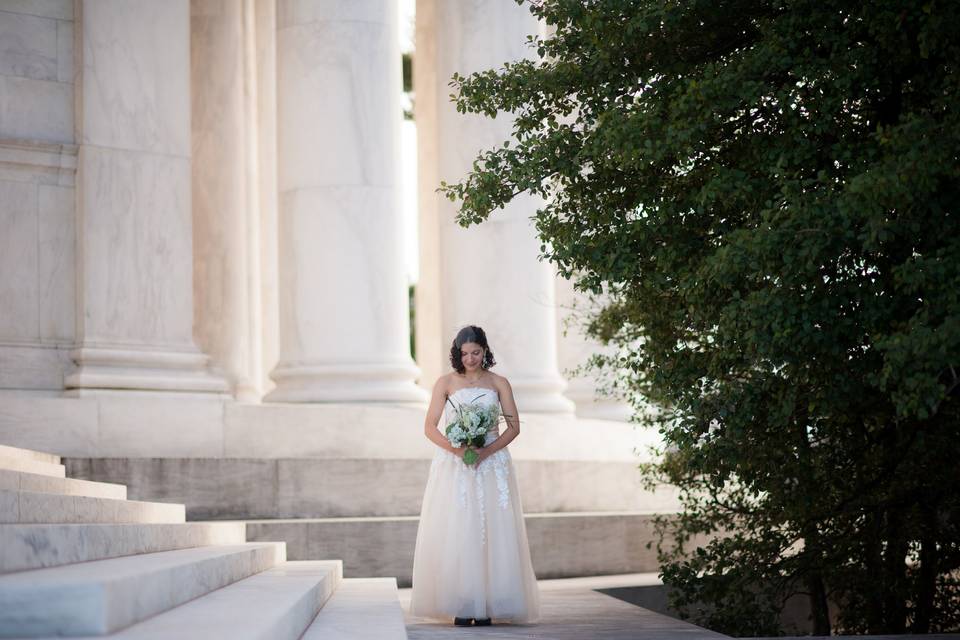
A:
(470, 426)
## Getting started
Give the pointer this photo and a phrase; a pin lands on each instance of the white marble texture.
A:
(36, 483)
(36, 109)
(371, 431)
(136, 247)
(265, 27)
(322, 72)
(56, 283)
(574, 350)
(61, 9)
(35, 546)
(32, 466)
(36, 71)
(226, 229)
(28, 46)
(144, 427)
(488, 275)
(433, 347)
(135, 76)
(360, 326)
(276, 604)
(33, 368)
(65, 426)
(65, 51)
(38, 162)
(28, 454)
(294, 12)
(127, 424)
(344, 327)
(27, 507)
(107, 595)
(19, 320)
(148, 425)
(135, 291)
(37, 281)
(361, 609)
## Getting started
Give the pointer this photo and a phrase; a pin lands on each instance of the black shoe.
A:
(462, 622)
(482, 622)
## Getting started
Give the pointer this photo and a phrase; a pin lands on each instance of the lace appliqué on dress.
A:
(495, 464)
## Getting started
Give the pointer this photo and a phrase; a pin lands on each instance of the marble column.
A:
(226, 229)
(574, 349)
(134, 229)
(344, 328)
(37, 176)
(488, 275)
(265, 31)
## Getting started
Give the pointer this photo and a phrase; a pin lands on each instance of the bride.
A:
(472, 562)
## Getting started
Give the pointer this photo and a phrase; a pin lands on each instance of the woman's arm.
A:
(510, 415)
(434, 412)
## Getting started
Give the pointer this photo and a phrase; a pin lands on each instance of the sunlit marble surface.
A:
(338, 116)
(27, 507)
(511, 296)
(277, 603)
(34, 546)
(102, 597)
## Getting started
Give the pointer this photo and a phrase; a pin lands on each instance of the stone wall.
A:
(37, 163)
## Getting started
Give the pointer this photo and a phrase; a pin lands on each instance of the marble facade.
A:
(199, 209)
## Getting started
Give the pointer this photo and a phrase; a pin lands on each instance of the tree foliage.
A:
(766, 193)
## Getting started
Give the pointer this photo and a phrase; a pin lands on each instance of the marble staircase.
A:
(78, 559)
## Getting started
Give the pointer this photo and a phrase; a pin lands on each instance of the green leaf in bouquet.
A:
(470, 456)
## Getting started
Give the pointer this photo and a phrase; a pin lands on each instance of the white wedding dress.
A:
(472, 559)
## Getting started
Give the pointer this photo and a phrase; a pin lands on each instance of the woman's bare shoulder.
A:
(500, 383)
(443, 383)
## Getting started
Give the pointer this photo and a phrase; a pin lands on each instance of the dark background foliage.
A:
(765, 194)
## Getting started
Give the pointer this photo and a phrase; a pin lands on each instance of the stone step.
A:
(562, 545)
(361, 609)
(28, 454)
(276, 604)
(27, 507)
(36, 546)
(246, 488)
(101, 597)
(28, 465)
(22, 481)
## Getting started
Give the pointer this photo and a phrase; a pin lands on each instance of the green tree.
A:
(766, 193)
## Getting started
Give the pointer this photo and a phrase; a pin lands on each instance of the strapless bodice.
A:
(471, 395)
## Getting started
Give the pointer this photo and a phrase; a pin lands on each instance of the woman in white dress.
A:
(472, 561)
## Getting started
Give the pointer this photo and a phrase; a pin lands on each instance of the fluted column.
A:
(227, 312)
(135, 262)
(344, 327)
(487, 275)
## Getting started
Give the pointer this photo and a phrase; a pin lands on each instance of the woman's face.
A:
(471, 354)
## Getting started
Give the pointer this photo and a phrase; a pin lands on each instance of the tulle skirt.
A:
(472, 559)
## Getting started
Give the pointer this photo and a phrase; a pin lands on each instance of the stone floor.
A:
(572, 609)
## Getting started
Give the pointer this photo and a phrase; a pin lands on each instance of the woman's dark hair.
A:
(477, 336)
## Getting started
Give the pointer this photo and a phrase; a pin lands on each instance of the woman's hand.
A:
(482, 454)
(458, 451)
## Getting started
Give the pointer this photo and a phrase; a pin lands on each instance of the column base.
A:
(102, 369)
(347, 382)
(541, 395)
(592, 405)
